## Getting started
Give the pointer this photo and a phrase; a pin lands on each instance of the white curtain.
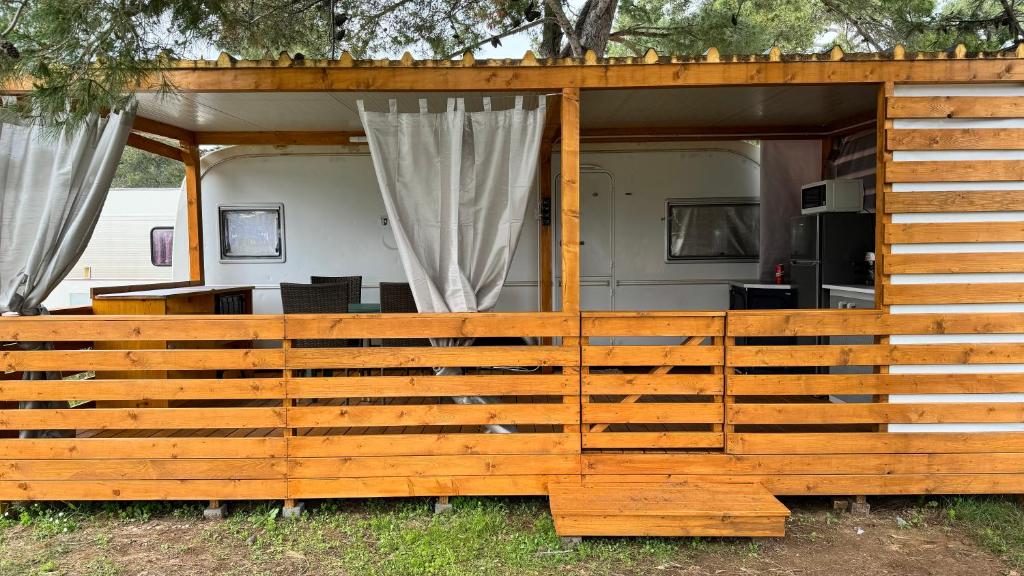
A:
(456, 186)
(52, 189)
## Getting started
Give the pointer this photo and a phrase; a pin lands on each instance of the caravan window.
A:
(713, 229)
(161, 244)
(252, 233)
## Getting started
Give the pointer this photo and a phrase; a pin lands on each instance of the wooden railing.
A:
(787, 412)
(246, 407)
(656, 384)
(280, 407)
(377, 421)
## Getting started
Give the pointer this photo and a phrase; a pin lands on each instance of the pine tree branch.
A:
(507, 33)
(842, 13)
(14, 20)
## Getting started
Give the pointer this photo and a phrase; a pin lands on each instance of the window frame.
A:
(152, 245)
(707, 201)
(223, 209)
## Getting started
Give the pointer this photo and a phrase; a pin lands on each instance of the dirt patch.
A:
(484, 536)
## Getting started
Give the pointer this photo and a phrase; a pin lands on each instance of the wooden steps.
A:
(666, 509)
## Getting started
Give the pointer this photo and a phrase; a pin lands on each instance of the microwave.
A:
(836, 195)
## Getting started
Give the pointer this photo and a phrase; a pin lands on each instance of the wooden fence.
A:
(255, 410)
(283, 407)
(641, 392)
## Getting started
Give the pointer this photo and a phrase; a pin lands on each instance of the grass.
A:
(997, 523)
(493, 536)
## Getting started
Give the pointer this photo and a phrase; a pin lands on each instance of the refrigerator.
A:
(828, 248)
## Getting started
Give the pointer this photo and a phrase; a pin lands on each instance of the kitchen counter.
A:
(858, 288)
(756, 284)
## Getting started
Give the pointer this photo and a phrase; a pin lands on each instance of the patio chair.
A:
(396, 297)
(355, 285)
(316, 299)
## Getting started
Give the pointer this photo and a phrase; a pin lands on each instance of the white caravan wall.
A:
(332, 213)
(965, 248)
(332, 209)
(632, 184)
(119, 251)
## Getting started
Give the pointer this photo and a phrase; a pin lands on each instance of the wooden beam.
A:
(570, 191)
(158, 128)
(194, 199)
(553, 77)
(546, 256)
(155, 147)
(683, 133)
(326, 138)
(552, 120)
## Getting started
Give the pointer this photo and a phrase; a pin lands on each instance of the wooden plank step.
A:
(595, 508)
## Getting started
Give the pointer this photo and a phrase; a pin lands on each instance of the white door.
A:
(596, 264)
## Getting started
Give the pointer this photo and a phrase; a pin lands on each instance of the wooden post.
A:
(570, 215)
(570, 191)
(194, 197)
(546, 281)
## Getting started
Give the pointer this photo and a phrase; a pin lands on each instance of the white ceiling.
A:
(720, 107)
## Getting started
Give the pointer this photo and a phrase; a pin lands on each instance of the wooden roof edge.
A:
(711, 56)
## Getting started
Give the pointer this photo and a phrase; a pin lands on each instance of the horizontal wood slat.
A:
(651, 440)
(824, 384)
(960, 263)
(144, 469)
(653, 413)
(424, 466)
(411, 386)
(457, 356)
(153, 328)
(876, 354)
(956, 139)
(440, 485)
(958, 293)
(920, 413)
(929, 233)
(138, 389)
(450, 325)
(824, 464)
(262, 489)
(79, 360)
(644, 324)
(875, 442)
(869, 322)
(432, 444)
(955, 171)
(432, 415)
(652, 355)
(117, 448)
(954, 201)
(653, 384)
(955, 107)
(141, 418)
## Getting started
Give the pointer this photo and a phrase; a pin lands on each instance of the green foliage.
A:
(997, 523)
(139, 169)
(76, 57)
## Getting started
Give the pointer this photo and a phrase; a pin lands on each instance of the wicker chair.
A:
(397, 297)
(316, 299)
(355, 285)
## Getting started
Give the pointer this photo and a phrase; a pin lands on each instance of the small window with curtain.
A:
(161, 245)
(709, 229)
(253, 233)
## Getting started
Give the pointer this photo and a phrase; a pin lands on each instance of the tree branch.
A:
(507, 33)
(831, 5)
(1012, 17)
(566, 26)
(14, 20)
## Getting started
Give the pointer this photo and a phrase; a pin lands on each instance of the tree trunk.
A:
(595, 25)
(551, 38)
